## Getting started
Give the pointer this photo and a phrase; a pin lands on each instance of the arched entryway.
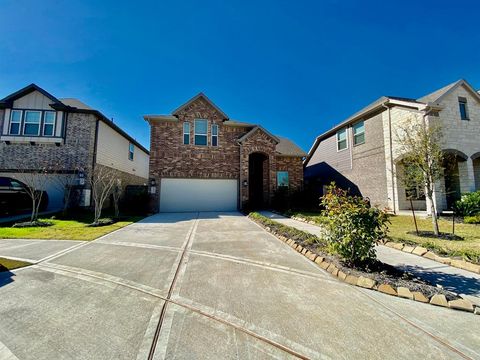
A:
(452, 161)
(258, 180)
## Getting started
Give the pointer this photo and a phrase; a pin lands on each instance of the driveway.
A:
(208, 286)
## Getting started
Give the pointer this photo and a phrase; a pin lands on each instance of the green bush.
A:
(475, 219)
(353, 226)
(469, 204)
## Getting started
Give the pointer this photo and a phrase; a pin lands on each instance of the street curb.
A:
(367, 283)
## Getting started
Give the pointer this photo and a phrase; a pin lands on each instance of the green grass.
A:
(468, 248)
(68, 229)
(8, 264)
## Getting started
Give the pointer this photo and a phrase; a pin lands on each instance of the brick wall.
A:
(294, 166)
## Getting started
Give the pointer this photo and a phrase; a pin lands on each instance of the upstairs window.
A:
(131, 150)
(201, 129)
(359, 133)
(49, 123)
(32, 123)
(214, 135)
(342, 139)
(462, 103)
(15, 121)
(186, 133)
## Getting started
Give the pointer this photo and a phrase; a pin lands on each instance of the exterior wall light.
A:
(245, 183)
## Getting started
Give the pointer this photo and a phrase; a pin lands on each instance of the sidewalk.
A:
(450, 278)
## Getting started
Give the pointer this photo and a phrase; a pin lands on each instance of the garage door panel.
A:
(183, 195)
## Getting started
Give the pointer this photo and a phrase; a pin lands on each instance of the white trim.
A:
(346, 138)
(131, 146)
(363, 132)
(195, 132)
(25, 122)
(19, 123)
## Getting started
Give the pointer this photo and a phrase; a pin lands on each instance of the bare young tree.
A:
(102, 181)
(420, 145)
(64, 181)
(116, 194)
(35, 179)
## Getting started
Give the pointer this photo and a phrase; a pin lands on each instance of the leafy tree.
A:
(419, 143)
(353, 226)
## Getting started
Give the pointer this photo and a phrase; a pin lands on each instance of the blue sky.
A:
(295, 67)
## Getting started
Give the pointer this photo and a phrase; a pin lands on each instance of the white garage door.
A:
(182, 195)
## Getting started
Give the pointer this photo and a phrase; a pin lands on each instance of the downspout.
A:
(391, 156)
(240, 183)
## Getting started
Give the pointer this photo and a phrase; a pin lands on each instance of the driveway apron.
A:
(209, 286)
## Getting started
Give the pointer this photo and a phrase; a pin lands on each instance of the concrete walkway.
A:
(451, 278)
(211, 286)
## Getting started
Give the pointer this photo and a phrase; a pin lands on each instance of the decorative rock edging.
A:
(417, 250)
(367, 283)
(424, 252)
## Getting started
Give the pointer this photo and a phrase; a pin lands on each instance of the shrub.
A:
(36, 223)
(469, 204)
(475, 219)
(353, 226)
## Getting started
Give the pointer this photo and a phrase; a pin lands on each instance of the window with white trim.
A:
(31, 125)
(186, 133)
(359, 133)
(131, 150)
(49, 123)
(15, 122)
(282, 179)
(201, 130)
(342, 142)
(214, 135)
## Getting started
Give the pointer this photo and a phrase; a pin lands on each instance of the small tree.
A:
(64, 181)
(102, 182)
(35, 178)
(353, 226)
(116, 194)
(420, 145)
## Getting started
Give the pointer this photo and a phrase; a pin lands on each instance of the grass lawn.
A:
(468, 248)
(71, 229)
(7, 264)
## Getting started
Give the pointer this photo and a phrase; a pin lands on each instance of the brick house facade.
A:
(171, 157)
(79, 140)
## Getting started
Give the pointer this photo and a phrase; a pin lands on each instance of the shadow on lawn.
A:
(453, 282)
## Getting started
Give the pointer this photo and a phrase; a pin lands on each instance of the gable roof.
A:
(8, 100)
(437, 96)
(203, 96)
(254, 130)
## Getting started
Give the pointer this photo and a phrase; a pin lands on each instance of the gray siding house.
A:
(362, 153)
(40, 130)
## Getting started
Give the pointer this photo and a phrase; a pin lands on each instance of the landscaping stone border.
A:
(417, 250)
(367, 283)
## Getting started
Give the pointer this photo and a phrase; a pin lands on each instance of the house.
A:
(363, 153)
(39, 130)
(201, 160)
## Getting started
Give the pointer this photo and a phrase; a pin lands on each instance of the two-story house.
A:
(39, 130)
(364, 153)
(200, 160)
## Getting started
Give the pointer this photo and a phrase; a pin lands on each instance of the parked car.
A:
(14, 197)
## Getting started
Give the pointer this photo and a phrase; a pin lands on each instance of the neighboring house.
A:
(38, 130)
(201, 160)
(362, 153)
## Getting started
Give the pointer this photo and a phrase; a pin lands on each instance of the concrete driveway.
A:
(208, 286)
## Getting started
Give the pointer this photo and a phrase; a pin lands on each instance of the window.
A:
(214, 135)
(15, 120)
(415, 193)
(131, 149)
(186, 133)
(342, 139)
(49, 123)
(359, 133)
(201, 127)
(462, 103)
(282, 179)
(32, 123)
